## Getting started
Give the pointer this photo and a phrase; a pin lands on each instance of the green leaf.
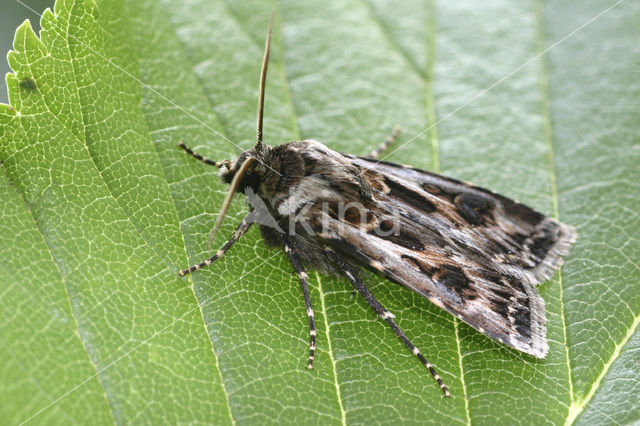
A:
(100, 209)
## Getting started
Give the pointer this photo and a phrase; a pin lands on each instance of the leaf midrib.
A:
(548, 137)
(577, 406)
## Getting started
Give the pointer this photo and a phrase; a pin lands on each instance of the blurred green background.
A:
(12, 15)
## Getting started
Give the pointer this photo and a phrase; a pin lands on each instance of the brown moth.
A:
(473, 253)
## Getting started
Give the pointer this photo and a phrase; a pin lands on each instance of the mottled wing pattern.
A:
(474, 253)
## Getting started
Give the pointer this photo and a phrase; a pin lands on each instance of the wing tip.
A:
(566, 236)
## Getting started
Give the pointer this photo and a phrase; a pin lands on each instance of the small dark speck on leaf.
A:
(28, 84)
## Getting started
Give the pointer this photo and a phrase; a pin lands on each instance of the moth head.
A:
(249, 168)
(246, 172)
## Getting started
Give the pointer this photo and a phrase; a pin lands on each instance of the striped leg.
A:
(388, 316)
(197, 156)
(297, 265)
(375, 154)
(239, 232)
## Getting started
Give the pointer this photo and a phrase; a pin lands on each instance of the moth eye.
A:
(471, 207)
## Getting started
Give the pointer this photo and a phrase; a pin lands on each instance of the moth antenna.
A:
(263, 81)
(227, 201)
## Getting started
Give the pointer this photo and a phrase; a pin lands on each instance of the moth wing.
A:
(474, 253)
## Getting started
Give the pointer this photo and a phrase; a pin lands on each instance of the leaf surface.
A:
(536, 101)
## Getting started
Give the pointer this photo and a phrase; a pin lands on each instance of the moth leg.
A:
(197, 156)
(375, 154)
(302, 274)
(239, 232)
(388, 316)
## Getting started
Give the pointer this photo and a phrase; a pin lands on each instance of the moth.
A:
(474, 253)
